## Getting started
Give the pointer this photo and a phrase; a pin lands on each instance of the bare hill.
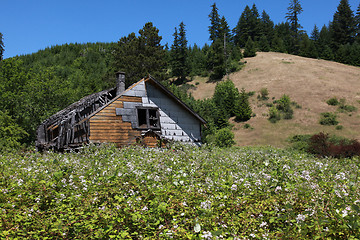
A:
(308, 82)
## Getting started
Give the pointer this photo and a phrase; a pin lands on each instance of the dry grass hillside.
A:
(308, 82)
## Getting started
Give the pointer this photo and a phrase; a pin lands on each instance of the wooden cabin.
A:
(146, 113)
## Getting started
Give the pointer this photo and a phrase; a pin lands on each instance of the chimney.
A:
(120, 83)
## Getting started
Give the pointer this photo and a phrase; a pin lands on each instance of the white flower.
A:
(233, 187)
(206, 204)
(145, 208)
(207, 235)
(263, 224)
(300, 218)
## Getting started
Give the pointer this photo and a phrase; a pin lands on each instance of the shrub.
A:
(264, 94)
(224, 138)
(300, 142)
(274, 115)
(324, 146)
(328, 118)
(242, 107)
(333, 101)
(339, 127)
(10, 133)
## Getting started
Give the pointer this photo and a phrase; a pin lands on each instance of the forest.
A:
(35, 86)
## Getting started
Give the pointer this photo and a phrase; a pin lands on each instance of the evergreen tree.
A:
(216, 60)
(215, 22)
(264, 45)
(242, 107)
(225, 97)
(357, 24)
(248, 25)
(315, 34)
(294, 10)
(197, 60)
(284, 37)
(307, 47)
(242, 29)
(250, 50)
(140, 56)
(266, 27)
(2, 49)
(343, 25)
(179, 52)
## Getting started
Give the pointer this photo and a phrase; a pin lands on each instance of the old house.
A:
(145, 113)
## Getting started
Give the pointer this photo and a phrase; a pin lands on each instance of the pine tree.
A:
(294, 10)
(179, 52)
(2, 49)
(266, 27)
(248, 25)
(315, 34)
(140, 56)
(242, 107)
(215, 23)
(250, 50)
(357, 24)
(343, 25)
(242, 29)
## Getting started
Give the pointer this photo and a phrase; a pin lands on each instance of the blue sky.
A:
(32, 25)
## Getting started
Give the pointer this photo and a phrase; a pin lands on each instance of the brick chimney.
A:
(120, 83)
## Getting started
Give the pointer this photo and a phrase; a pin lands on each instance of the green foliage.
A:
(104, 193)
(284, 105)
(179, 54)
(242, 108)
(274, 114)
(224, 138)
(140, 56)
(333, 101)
(343, 25)
(264, 94)
(328, 118)
(343, 107)
(2, 48)
(11, 133)
(226, 96)
(250, 50)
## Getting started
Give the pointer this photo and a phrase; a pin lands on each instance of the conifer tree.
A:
(343, 25)
(357, 24)
(140, 56)
(250, 50)
(266, 26)
(215, 23)
(248, 25)
(294, 10)
(242, 107)
(242, 29)
(179, 62)
(2, 49)
(315, 34)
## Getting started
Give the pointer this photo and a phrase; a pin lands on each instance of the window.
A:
(148, 118)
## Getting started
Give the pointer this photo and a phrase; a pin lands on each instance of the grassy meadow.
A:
(178, 193)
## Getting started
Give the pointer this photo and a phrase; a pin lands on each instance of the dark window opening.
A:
(148, 118)
(142, 123)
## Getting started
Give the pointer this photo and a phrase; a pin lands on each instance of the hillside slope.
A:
(309, 82)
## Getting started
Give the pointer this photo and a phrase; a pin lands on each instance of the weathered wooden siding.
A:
(106, 126)
(177, 123)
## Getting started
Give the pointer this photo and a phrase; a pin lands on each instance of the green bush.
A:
(264, 94)
(274, 115)
(328, 118)
(224, 138)
(333, 101)
(11, 133)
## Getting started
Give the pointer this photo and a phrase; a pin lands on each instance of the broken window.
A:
(148, 118)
